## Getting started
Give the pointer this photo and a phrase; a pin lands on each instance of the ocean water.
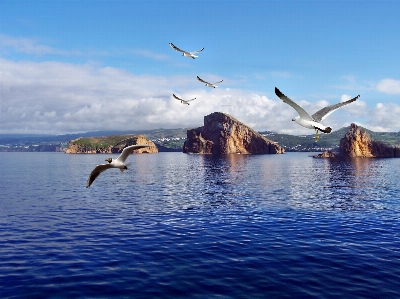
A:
(197, 226)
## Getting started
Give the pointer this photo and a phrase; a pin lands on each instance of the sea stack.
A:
(357, 143)
(223, 134)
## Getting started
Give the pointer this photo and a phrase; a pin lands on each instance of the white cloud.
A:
(384, 118)
(30, 46)
(150, 54)
(53, 97)
(390, 86)
(357, 108)
(33, 47)
(280, 74)
(350, 82)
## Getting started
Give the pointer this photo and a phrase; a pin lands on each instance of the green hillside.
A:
(173, 139)
(326, 141)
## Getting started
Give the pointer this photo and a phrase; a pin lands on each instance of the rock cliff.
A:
(357, 143)
(110, 144)
(223, 134)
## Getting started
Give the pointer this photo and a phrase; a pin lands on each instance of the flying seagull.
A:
(182, 100)
(114, 163)
(184, 53)
(208, 83)
(313, 121)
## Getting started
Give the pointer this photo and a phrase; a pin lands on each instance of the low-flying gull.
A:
(313, 121)
(182, 100)
(208, 83)
(185, 53)
(114, 163)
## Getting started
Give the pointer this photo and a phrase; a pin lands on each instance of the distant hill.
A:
(35, 138)
(327, 141)
(165, 139)
(173, 139)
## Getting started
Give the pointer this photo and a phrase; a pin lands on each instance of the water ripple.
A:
(286, 226)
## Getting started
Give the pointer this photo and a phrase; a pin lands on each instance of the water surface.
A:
(178, 226)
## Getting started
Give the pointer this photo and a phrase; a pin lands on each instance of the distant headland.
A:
(174, 139)
(110, 144)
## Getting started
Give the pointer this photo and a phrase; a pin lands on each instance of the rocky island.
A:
(357, 143)
(109, 144)
(223, 134)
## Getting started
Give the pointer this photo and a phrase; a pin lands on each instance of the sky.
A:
(78, 66)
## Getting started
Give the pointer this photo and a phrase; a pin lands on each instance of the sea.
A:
(176, 225)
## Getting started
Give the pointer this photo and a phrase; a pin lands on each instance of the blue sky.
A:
(76, 66)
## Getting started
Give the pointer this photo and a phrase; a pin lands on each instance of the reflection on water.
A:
(219, 179)
(167, 182)
(350, 184)
(309, 183)
(235, 226)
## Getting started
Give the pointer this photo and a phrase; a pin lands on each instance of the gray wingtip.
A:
(352, 100)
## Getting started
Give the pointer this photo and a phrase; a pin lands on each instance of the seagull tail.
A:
(126, 167)
(327, 130)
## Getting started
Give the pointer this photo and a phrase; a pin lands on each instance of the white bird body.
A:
(189, 55)
(114, 163)
(182, 100)
(313, 122)
(310, 124)
(208, 83)
(185, 53)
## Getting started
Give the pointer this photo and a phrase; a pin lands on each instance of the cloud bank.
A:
(58, 98)
(389, 86)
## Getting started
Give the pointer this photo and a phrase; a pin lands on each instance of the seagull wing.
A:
(178, 98)
(324, 112)
(303, 113)
(201, 80)
(126, 151)
(96, 172)
(218, 82)
(176, 48)
(194, 52)
(190, 100)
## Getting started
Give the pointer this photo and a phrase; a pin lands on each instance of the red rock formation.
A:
(326, 154)
(89, 145)
(137, 139)
(357, 143)
(223, 134)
